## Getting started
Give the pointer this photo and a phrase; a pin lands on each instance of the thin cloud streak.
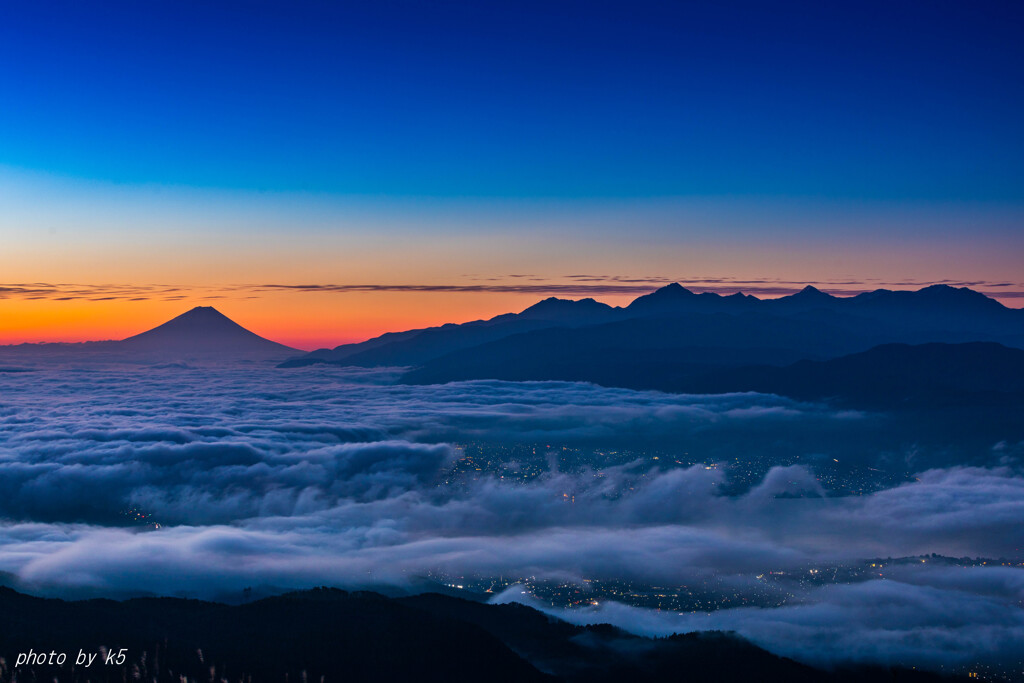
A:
(578, 285)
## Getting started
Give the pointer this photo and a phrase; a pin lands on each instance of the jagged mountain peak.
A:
(555, 302)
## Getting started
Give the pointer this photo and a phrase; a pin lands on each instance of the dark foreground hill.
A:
(330, 635)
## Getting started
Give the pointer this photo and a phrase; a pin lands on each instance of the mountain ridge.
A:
(938, 313)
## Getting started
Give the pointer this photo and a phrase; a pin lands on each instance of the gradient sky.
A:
(417, 163)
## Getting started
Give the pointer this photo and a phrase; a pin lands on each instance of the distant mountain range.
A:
(887, 376)
(334, 635)
(676, 340)
(938, 346)
(203, 333)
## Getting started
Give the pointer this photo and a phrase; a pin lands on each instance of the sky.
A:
(324, 172)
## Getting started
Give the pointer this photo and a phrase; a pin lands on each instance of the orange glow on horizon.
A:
(305, 321)
(302, 320)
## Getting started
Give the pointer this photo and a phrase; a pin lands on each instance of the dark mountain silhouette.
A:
(675, 340)
(675, 298)
(807, 299)
(587, 311)
(335, 635)
(679, 331)
(417, 346)
(889, 376)
(605, 653)
(643, 353)
(203, 333)
(203, 330)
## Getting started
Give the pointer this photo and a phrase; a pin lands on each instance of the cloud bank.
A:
(948, 617)
(340, 477)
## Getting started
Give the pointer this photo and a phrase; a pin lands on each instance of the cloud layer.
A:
(946, 617)
(329, 476)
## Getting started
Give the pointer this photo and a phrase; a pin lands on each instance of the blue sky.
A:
(567, 99)
(211, 146)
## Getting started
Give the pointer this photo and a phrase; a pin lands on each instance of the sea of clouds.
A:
(295, 478)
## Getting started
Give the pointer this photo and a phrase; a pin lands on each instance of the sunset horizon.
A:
(118, 322)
